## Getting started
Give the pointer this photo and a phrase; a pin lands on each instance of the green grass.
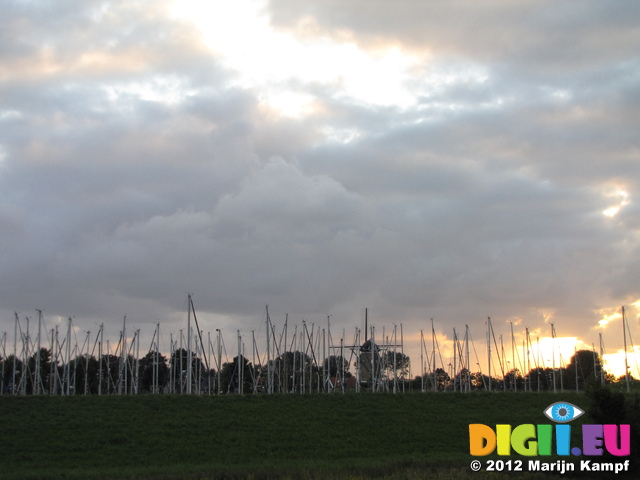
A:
(261, 437)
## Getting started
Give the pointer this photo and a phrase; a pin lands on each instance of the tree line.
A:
(294, 371)
(585, 369)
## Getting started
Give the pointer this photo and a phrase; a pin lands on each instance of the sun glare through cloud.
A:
(615, 362)
(622, 198)
(549, 352)
(271, 62)
(608, 315)
(289, 104)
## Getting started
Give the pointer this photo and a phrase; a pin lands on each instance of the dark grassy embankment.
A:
(290, 436)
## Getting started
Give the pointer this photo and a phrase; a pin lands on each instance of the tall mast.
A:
(468, 359)
(433, 353)
(595, 363)
(553, 358)
(122, 355)
(395, 362)
(293, 350)
(601, 360)
(513, 360)
(455, 356)
(269, 377)
(156, 362)
(373, 365)
(136, 373)
(101, 359)
(172, 371)
(240, 364)
(357, 343)
(538, 368)
(403, 357)
(489, 348)
(15, 354)
(253, 361)
(86, 366)
(68, 368)
(38, 381)
(626, 363)
(575, 364)
(53, 389)
(504, 380)
(219, 360)
(210, 364)
(3, 342)
(26, 341)
(189, 344)
(284, 356)
(342, 380)
(422, 360)
(326, 365)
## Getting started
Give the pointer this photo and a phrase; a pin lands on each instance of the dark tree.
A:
(236, 372)
(293, 366)
(154, 372)
(84, 374)
(110, 373)
(438, 380)
(336, 364)
(179, 371)
(397, 364)
(11, 374)
(541, 379)
(514, 380)
(586, 368)
(39, 383)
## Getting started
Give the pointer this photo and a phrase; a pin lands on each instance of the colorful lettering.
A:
(523, 440)
(482, 440)
(611, 440)
(530, 440)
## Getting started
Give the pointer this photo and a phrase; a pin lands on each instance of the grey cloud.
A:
(483, 198)
(491, 31)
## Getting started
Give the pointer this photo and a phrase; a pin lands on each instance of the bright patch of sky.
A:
(548, 352)
(9, 114)
(607, 318)
(272, 61)
(165, 89)
(340, 135)
(622, 198)
(291, 104)
(615, 363)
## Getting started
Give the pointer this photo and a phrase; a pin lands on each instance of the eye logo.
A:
(563, 412)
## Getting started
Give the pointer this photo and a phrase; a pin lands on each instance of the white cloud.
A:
(623, 200)
(270, 60)
(168, 89)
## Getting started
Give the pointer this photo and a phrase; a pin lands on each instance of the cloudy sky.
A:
(449, 160)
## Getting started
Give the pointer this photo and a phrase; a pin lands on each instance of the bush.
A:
(610, 407)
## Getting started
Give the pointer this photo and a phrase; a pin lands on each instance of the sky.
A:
(451, 160)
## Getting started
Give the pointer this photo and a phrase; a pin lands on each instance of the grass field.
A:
(260, 437)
